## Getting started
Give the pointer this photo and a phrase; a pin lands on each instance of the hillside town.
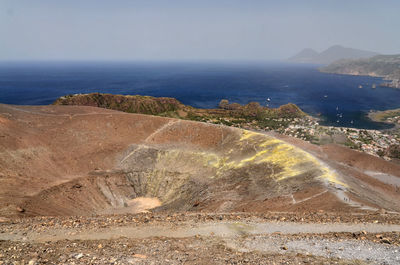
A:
(373, 142)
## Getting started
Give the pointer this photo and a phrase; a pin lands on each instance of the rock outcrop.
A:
(126, 103)
(171, 107)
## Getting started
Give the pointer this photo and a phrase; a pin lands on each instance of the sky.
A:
(163, 30)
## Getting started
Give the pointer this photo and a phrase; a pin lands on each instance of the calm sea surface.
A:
(336, 98)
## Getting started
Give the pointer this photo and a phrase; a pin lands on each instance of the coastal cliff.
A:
(227, 113)
(385, 66)
(125, 103)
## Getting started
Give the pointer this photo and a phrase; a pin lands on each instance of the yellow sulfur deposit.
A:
(292, 160)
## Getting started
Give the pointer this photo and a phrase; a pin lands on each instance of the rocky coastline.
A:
(384, 66)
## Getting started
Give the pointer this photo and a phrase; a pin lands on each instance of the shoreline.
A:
(391, 116)
(387, 81)
(382, 66)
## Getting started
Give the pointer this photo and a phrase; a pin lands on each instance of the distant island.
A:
(386, 66)
(330, 55)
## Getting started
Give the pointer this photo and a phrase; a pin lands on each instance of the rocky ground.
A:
(147, 251)
(273, 238)
(72, 177)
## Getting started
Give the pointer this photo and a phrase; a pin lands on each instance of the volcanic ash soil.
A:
(76, 183)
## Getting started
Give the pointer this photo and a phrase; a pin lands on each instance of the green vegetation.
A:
(352, 145)
(251, 115)
(394, 151)
(388, 116)
(194, 117)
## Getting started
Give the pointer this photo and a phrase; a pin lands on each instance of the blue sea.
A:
(337, 99)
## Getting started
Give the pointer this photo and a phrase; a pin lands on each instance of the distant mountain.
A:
(386, 66)
(330, 55)
(305, 56)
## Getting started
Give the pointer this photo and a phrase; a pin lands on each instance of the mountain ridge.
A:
(385, 66)
(330, 55)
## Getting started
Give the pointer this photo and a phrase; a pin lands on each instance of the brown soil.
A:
(69, 160)
(98, 240)
(82, 164)
(148, 251)
(357, 168)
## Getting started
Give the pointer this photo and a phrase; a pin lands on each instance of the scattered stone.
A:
(78, 256)
(140, 256)
(3, 220)
(77, 186)
(32, 262)
(20, 209)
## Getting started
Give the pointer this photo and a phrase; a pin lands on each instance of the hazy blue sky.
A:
(192, 30)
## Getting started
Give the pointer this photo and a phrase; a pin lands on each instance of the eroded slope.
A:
(71, 160)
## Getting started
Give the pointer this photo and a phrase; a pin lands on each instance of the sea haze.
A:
(337, 98)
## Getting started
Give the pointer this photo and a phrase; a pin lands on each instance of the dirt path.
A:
(220, 229)
(288, 240)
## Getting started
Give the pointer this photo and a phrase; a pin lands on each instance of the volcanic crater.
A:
(76, 160)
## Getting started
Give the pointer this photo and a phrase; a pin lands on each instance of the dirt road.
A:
(198, 238)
